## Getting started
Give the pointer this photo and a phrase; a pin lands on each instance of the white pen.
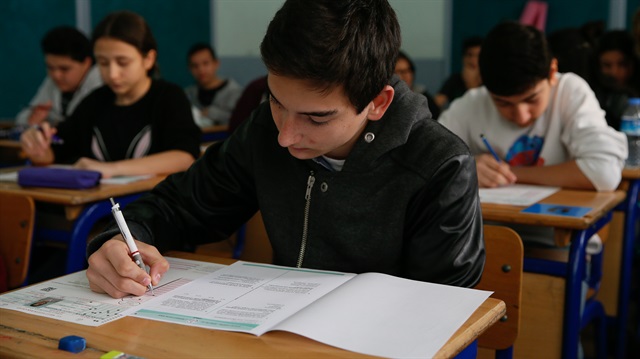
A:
(124, 229)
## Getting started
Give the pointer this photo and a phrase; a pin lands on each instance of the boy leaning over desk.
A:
(546, 128)
(343, 162)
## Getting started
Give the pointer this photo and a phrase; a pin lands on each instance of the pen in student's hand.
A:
(486, 143)
(124, 229)
(54, 139)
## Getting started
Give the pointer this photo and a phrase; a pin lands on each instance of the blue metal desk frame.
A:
(76, 239)
(574, 272)
(631, 216)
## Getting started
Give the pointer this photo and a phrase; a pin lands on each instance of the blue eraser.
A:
(72, 343)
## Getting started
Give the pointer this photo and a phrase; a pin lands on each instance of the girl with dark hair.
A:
(132, 125)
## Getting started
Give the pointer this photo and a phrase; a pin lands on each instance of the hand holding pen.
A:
(124, 229)
(36, 143)
(492, 171)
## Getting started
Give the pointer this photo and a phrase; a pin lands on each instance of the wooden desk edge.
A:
(489, 312)
(19, 341)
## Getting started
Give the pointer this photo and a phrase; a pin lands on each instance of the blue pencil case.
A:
(58, 177)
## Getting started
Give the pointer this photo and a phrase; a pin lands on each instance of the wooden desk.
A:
(83, 207)
(24, 335)
(568, 231)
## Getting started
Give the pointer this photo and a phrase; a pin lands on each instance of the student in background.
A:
(212, 97)
(457, 84)
(406, 69)
(131, 126)
(617, 73)
(546, 127)
(343, 162)
(252, 96)
(572, 51)
(70, 77)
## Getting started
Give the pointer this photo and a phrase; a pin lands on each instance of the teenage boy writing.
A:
(71, 76)
(546, 127)
(345, 165)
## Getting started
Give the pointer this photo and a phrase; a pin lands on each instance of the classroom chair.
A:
(503, 275)
(17, 216)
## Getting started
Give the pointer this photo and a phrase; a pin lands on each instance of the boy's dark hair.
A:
(128, 27)
(353, 44)
(199, 47)
(66, 41)
(402, 55)
(513, 59)
(471, 42)
(616, 40)
(572, 50)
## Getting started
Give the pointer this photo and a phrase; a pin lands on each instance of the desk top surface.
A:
(631, 173)
(213, 129)
(24, 335)
(81, 196)
(599, 202)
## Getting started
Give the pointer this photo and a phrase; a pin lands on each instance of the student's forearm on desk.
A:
(159, 163)
(566, 175)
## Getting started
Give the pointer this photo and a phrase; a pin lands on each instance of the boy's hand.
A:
(112, 271)
(492, 173)
(39, 113)
(36, 143)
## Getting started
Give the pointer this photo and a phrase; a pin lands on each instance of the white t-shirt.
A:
(572, 127)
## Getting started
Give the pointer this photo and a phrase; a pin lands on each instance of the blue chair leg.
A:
(240, 241)
(505, 353)
(594, 313)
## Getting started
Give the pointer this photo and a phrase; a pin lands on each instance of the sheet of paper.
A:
(517, 194)
(70, 299)
(244, 297)
(387, 316)
(123, 179)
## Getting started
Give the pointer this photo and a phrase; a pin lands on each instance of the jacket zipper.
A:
(305, 225)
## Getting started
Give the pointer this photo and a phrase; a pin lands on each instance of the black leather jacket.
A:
(405, 203)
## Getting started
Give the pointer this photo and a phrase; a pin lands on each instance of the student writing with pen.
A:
(134, 124)
(546, 127)
(71, 76)
(344, 162)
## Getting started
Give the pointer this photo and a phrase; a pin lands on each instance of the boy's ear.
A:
(380, 103)
(553, 69)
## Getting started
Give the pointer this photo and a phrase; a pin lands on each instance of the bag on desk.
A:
(58, 177)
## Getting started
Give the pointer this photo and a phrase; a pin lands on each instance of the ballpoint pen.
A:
(54, 139)
(486, 143)
(124, 229)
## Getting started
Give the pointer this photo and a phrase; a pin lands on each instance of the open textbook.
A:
(369, 313)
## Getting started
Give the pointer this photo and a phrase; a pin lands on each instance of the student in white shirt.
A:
(71, 76)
